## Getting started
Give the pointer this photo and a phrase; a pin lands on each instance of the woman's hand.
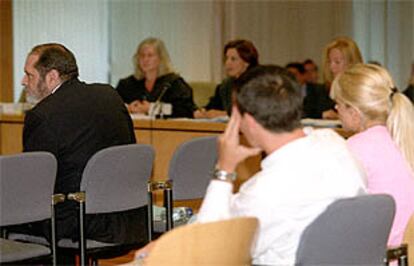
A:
(200, 113)
(213, 113)
(330, 114)
(138, 106)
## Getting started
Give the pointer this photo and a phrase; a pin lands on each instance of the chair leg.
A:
(168, 204)
(53, 243)
(403, 260)
(82, 238)
(4, 233)
(399, 254)
(149, 215)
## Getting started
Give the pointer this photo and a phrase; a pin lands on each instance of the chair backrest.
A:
(115, 178)
(27, 182)
(219, 243)
(352, 231)
(191, 167)
(409, 239)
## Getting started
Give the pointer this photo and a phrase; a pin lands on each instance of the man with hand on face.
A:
(73, 120)
(304, 171)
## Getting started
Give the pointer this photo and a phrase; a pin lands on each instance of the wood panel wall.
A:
(6, 51)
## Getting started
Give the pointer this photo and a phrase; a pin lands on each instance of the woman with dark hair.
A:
(239, 55)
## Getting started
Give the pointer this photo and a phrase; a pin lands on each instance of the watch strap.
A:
(224, 175)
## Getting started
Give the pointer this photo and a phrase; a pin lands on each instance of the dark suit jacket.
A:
(221, 100)
(409, 92)
(74, 123)
(316, 101)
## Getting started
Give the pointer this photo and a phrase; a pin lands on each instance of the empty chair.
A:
(114, 179)
(225, 242)
(27, 183)
(352, 231)
(190, 171)
(191, 167)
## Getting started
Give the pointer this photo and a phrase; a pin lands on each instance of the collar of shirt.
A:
(290, 147)
(304, 89)
(57, 87)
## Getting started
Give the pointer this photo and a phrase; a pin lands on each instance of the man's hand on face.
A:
(230, 151)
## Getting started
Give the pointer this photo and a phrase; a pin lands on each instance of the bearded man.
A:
(73, 120)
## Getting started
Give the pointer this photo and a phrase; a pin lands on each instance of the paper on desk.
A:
(139, 116)
(321, 122)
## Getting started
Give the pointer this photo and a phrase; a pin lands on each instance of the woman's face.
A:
(148, 59)
(337, 61)
(349, 116)
(234, 64)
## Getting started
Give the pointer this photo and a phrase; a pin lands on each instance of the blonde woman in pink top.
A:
(383, 119)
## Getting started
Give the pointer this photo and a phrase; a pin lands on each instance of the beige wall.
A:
(6, 51)
(104, 33)
(195, 31)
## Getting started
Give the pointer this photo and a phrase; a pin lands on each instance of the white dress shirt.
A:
(297, 182)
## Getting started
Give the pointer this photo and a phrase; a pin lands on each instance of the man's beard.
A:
(34, 97)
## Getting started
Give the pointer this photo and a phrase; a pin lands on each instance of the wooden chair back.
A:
(218, 243)
(409, 239)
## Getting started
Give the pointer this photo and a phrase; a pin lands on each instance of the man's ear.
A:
(52, 79)
(250, 121)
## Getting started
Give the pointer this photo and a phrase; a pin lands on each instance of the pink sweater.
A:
(387, 172)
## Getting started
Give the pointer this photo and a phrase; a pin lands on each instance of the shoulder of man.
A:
(75, 89)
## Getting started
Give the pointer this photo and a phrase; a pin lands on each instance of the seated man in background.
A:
(315, 97)
(311, 71)
(305, 170)
(73, 120)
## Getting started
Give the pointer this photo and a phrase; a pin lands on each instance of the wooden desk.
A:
(163, 135)
(11, 132)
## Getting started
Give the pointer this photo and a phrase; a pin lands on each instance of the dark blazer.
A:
(221, 100)
(409, 92)
(316, 101)
(169, 88)
(74, 123)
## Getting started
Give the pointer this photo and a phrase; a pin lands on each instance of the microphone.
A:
(164, 89)
(156, 107)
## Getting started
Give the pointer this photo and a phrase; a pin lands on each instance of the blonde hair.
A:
(165, 66)
(370, 89)
(348, 48)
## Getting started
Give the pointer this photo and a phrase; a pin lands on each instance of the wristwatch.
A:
(224, 175)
